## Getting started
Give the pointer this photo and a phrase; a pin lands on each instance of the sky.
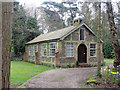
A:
(36, 2)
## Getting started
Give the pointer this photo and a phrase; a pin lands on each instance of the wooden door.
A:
(82, 53)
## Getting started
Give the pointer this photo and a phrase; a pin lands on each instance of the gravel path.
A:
(60, 78)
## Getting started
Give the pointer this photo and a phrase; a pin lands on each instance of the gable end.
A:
(63, 37)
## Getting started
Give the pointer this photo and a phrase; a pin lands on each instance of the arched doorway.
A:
(82, 53)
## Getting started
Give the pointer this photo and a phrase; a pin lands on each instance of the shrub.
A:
(91, 80)
(107, 49)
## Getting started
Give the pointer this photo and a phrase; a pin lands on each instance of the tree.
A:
(115, 43)
(49, 16)
(32, 23)
(0, 46)
(24, 29)
(87, 13)
(98, 41)
(118, 18)
(5, 35)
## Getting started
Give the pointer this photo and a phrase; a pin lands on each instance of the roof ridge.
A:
(55, 30)
(58, 34)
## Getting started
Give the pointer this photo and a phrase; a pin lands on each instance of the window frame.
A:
(52, 49)
(44, 49)
(93, 49)
(30, 51)
(34, 51)
(82, 34)
(70, 50)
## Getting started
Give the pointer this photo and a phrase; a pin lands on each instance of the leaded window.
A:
(52, 49)
(44, 50)
(30, 50)
(70, 49)
(92, 49)
(35, 49)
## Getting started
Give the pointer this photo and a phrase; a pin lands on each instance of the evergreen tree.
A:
(24, 29)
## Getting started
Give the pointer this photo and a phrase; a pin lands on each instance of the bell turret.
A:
(77, 20)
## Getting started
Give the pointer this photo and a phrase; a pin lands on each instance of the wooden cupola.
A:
(77, 20)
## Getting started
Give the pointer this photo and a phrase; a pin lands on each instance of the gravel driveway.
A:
(60, 78)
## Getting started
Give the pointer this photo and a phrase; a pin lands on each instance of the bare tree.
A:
(5, 43)
(114, 33)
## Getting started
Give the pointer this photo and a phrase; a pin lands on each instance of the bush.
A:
(91, 80)
(108, 50)
(13, 58)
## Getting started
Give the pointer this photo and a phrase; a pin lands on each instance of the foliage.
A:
(114, 33)
(32, 23)
(113, 73)
(24, 29)
(108, 50)
(116, 74)
(68, 66)
(103, 64)
(91, 80)
(22, 71)
(108, 61)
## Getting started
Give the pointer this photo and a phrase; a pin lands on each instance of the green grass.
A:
(22, 71)
(109, 61)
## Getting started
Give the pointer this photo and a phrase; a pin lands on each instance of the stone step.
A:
(84, 65)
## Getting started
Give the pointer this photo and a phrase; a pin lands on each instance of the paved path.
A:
(60, 78)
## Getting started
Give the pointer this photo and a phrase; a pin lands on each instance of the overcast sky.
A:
(39, 2)
(36, 2)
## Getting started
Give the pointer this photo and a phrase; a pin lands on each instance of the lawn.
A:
(109, 61)
(22, 71)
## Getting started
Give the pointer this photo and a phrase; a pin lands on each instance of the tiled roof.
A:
(58, 34)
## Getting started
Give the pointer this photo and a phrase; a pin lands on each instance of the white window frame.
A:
(30, 50)
(70, 50)
(44, 49)
(35, 49)
(83, 34)
(93, 49)
(53, 48)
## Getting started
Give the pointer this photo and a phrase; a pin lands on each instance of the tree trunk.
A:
(5, 43)
(0, 45)
(98, 40)
(119, 20)
(114, 35)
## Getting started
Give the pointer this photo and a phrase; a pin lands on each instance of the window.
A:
(92, 49)
(70, 49)
(44, 50)
(52, 49)
(82, 34)
(30, 50)
(35, 49)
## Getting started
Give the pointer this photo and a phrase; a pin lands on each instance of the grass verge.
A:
(22, 71)
(109, 61)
